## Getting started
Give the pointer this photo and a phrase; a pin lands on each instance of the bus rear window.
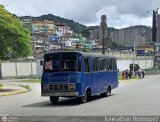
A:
(59, 62)
(52, 62)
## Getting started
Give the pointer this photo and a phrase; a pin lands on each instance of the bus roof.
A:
(86, 54)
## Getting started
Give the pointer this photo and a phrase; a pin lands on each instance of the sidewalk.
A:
(12, 89)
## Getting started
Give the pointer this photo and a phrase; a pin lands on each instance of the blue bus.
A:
(78, 74)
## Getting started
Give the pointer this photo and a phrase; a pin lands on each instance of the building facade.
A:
(46, 36)
(140, 35)
(158, 28)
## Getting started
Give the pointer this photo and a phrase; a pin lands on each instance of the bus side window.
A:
(105, 64)
(102, 64)
(97, 62)
(79, 63)
(86, 65)
(108, 63)
(114, 64)
(93, 64)
(110, 67)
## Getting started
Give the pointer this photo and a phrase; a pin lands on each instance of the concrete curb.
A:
(14, 92)
(129, 80)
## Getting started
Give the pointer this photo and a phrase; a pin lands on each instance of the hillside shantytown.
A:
(56, 34)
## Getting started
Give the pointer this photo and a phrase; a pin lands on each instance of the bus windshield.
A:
(59, 62)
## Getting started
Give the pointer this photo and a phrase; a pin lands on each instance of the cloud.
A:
(120, 13)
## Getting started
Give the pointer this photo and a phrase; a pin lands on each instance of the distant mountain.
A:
(137, 26)
(110, 29)
(75, 26)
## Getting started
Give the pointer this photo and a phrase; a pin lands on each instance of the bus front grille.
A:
(62, 87)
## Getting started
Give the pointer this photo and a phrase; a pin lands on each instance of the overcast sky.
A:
(120, 13)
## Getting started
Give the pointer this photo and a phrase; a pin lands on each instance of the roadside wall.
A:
(18, 69)
(144, 64)
(29, 69)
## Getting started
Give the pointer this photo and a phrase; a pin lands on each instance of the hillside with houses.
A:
(51, 33)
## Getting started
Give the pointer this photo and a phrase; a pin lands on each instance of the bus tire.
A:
(108, 93)
(54, 99)
(84, 99)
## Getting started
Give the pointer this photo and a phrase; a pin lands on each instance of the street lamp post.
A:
(133, 57)
(154, 32)
(30, 27)
(103, 26)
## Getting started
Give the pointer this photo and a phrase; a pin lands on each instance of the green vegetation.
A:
(1, 85)
(75, 26)
(85, 33)
(25, 86)
(31, 80)
(120, 77)
(136, 67)
(14, 39)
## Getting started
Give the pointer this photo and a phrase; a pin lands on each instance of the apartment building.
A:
(140, 35)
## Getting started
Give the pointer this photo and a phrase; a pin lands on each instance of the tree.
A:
(85, 33)
(14, 39)
(136, 67)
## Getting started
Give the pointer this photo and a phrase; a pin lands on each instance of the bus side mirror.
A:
(41, 62)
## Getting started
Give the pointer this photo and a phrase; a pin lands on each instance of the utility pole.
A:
(133, 57)
(47, 27)
(103, 26)
(30, 28)
(154, 32)
(154, 25)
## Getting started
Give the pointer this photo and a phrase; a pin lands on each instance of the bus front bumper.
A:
(61, 94)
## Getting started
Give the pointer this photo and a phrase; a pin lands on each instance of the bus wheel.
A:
(84, 98)
(108, 93)
(54, 99)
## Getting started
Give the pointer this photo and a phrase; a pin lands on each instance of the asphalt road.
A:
(134, 97)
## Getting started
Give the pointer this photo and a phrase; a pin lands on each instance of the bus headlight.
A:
(72, 87)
